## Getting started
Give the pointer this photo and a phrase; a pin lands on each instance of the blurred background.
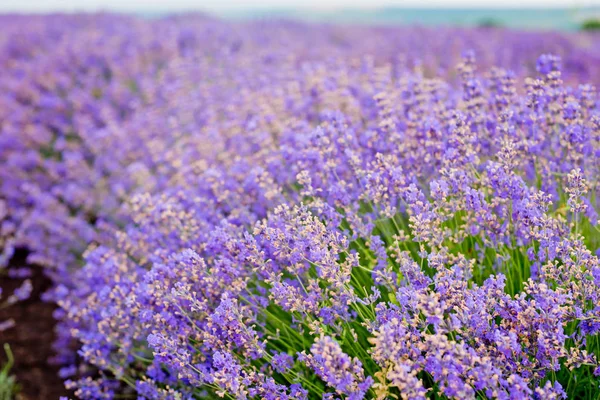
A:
(568, 15)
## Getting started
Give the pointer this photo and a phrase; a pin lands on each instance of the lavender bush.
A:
(283, 211)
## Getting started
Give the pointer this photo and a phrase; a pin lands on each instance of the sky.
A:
(217, 6)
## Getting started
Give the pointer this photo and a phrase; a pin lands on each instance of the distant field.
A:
(556, 18)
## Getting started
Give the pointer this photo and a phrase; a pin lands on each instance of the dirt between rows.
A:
(31, 338)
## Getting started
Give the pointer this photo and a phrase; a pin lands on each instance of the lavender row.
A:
(283, 211)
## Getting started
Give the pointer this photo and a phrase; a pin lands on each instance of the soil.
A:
(31, 338)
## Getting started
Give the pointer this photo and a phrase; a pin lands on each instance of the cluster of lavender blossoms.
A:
(272, 210)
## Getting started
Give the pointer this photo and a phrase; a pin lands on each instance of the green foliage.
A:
(8, 384)
(591, 25)
(489, 23)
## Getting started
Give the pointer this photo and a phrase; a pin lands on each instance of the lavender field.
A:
(278, 210)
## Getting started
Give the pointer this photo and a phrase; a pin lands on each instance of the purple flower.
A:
(282, 362)
(337, 369)
(547, 63)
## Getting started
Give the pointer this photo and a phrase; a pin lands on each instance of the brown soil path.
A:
(31, 339)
